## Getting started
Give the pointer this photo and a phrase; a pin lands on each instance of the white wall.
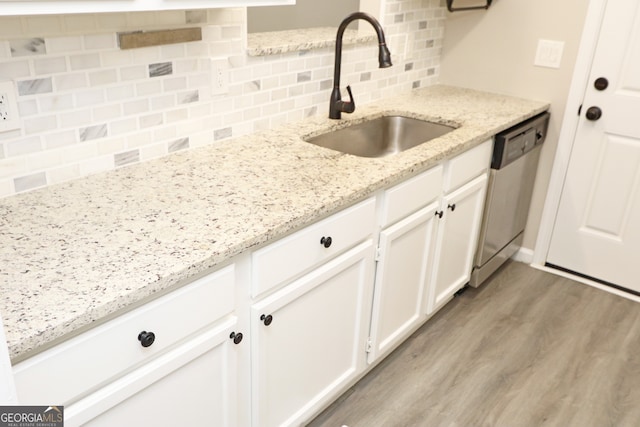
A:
(494, 50)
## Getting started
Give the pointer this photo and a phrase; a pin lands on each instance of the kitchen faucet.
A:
(336, 105)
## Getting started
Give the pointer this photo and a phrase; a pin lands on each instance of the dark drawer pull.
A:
(146, 338)
(266, 319)
(236, 337)
(326, 241)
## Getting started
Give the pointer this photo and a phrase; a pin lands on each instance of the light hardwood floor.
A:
(526, 349)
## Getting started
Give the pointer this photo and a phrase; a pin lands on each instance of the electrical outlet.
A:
(219, 76)
(9, 119)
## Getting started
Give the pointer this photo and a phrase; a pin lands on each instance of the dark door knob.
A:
(594, 113)
(266, 319)
(601, 83)
(146, 338)
(326, 241)
(236, 337)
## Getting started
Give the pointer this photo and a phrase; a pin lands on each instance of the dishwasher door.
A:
(509, 198)
(511, 179)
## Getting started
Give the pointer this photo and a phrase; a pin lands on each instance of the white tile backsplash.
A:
(64, 44)
(51, 65)
(86, 106)
(28, 47)
(85, 61)
(14, 69)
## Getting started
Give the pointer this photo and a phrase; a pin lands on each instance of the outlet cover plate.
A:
(9, 119)
(219, 76)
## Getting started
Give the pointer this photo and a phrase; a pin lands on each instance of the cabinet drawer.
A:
(66, 372)
(411, 195)
(295, 254)
(466, 166)
(197, 376)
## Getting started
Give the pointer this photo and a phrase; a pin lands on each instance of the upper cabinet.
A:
(48, 7)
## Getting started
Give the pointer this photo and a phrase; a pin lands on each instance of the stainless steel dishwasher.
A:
(513, 170)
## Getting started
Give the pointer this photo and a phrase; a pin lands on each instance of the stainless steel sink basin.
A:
(381, 137)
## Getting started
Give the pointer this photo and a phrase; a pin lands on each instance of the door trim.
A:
(579, 82)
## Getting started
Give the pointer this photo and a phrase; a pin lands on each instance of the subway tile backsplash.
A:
(28, 47)
(86, 106)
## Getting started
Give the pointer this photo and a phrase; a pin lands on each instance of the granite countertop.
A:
(276, 42)
(75, 253)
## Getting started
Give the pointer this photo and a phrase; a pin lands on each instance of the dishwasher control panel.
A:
(518, 140)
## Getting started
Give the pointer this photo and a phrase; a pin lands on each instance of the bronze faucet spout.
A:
(336, 105)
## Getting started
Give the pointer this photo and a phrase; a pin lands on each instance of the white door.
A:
(309, 339)
(597, 228)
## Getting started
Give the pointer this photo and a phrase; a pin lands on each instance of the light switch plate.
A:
(549, 53)
(9, 119)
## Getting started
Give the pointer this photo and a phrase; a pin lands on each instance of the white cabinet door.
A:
(401, 280)
(192, 385)
(309, 339)
(457, 239)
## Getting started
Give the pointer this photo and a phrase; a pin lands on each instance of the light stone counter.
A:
(74, 253)
(277, 42)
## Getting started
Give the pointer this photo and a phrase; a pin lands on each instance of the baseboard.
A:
(524, 255)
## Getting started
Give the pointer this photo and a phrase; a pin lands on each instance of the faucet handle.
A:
(349, 106)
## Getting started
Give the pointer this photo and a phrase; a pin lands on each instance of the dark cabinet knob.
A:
(452, 207)
(326, 241)
(146, 338)
(266, 319)
(601, 83)
(236, 337)
(439, 214)
(594, 113)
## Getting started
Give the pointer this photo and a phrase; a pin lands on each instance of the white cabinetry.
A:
(315, 303)
(309, 337)
(7, 389)
(404, 254)
(195, 384)
(175, 351)
(425, 252)
(289, 258)
(43, 7)
(459, 216)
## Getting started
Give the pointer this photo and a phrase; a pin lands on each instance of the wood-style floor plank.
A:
(528, 348)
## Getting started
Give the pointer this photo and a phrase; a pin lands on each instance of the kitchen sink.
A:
(380, 137)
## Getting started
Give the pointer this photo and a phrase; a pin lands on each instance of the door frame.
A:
(568, 131)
